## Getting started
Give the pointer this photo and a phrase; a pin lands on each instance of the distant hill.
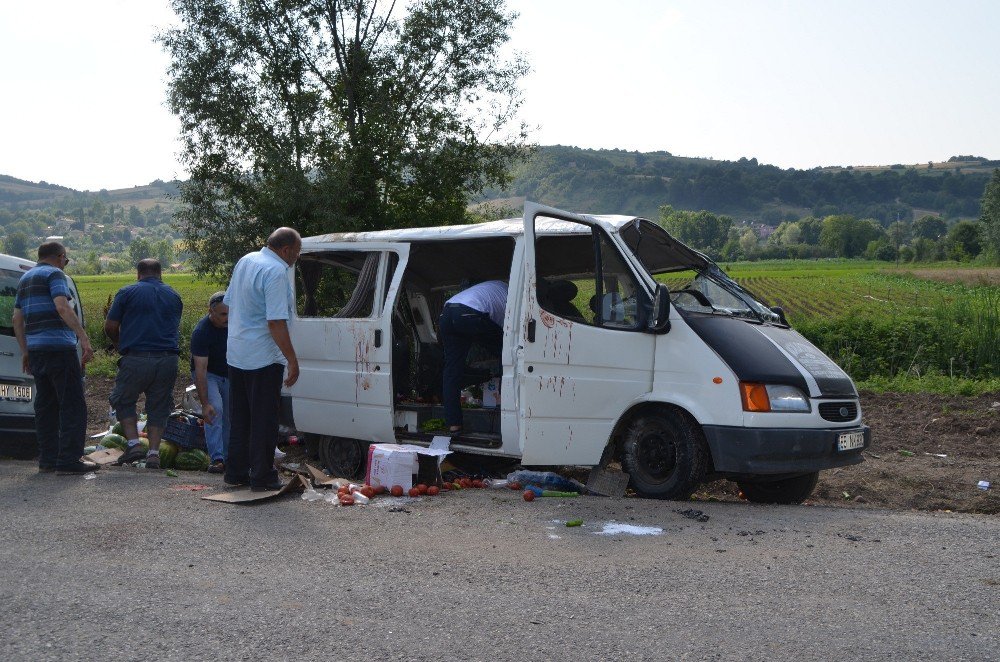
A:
(618, 181)
(18, 194)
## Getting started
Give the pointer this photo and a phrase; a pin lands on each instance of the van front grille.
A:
(838, 412)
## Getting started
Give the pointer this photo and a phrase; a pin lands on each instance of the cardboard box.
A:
(395, 464)
(491, 393)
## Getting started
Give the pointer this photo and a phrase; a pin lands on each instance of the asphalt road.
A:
(125, 567)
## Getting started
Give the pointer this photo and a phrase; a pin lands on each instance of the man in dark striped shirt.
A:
(47, 329)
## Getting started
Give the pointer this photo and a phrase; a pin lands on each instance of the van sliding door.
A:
(342, 336)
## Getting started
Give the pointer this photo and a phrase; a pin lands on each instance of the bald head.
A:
(282, 238)
(287, 243)
(148, 267)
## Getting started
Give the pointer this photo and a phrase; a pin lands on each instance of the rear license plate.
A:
(849, 441)
(15, 393)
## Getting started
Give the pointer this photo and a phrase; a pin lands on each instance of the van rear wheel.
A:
(343, 458)
(786, 490)
(665, 455)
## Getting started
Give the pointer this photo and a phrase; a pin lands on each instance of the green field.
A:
(888, 328)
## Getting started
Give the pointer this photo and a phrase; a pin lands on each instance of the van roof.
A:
(510, 227)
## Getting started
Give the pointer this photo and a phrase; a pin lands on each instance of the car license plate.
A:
(848, 441)
(15, 392)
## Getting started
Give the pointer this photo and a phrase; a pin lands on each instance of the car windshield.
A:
(8, 292)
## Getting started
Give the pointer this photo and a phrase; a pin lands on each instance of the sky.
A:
(794, 83)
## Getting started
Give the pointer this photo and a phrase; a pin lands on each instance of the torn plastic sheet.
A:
(617, 529)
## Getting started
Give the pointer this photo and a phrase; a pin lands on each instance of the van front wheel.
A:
(343, 458)
(665, 455)
(786, 490)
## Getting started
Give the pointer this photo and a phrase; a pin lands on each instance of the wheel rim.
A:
(344, 457)
(657, 454)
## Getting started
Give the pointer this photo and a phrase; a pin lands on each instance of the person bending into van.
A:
(211, 377)
(260, 301)
(143, 323)
(47, 330)
(474, 315)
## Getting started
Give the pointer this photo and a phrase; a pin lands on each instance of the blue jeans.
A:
(217, 432)
(459, 327)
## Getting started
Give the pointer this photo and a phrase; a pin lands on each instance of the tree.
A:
(929, 227)
(748, 243)
(702, 230)
(846, 236)
(968, 236)
(16, 243)
(989, 214)
(329, 115)
(139, 250)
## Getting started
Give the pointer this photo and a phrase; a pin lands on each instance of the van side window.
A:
(8, 292)
(583, 278)
(336, 284)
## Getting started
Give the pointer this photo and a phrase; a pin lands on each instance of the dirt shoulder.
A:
(902, 470)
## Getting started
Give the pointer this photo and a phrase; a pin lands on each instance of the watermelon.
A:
(168, 454)
(193, 460)
(114, 441)
(118, 429)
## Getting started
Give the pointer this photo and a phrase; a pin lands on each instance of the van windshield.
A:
(8, 292)
(707, 292)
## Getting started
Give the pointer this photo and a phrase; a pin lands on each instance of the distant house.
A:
(54, 237)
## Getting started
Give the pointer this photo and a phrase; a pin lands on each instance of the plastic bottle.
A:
(547, 480)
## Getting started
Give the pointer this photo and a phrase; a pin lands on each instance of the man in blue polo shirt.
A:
(261, 302)
(47, 329)
(211, 378)
(143, 323)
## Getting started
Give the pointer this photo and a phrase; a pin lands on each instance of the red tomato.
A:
(477, 483)
(380, 489)
(343, 490)
(414, 492)
(368, 491)
(514, 486)
(397, 490)
(347, 500)
(528, 495)
(433, 490)
(422, 488)
(466, 483)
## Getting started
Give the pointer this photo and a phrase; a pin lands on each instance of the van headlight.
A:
(773, 397)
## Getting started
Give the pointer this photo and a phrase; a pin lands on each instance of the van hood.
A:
(772, 355)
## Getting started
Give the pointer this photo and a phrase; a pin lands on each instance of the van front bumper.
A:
(739, 450)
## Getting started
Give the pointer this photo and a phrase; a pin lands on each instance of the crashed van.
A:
(621, 344)
(17, 390)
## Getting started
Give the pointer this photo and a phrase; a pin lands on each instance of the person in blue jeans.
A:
(474, 315)
(211, 377)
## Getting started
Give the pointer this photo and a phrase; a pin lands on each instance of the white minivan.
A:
(17, 390)
(621, 344)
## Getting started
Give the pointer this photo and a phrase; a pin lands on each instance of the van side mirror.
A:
(780, 312)
(660, 319)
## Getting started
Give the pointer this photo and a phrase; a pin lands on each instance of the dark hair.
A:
(216, 299)
(283, 237)
(148, 267)
(50, 249)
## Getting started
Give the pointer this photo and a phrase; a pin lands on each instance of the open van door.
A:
(584, 354)
(342, 334)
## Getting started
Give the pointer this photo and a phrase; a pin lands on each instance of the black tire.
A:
(665, 455)
(344, 458)
(786, 490)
